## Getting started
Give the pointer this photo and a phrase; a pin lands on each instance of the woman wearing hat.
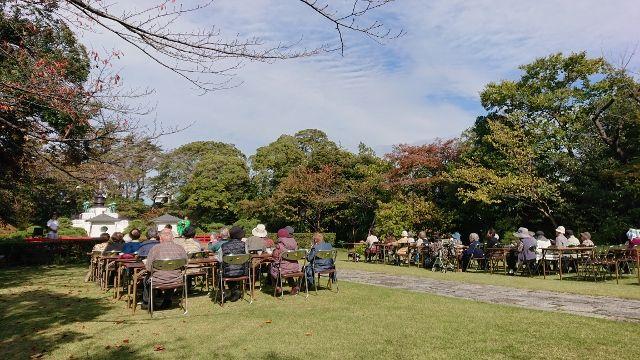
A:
(259, 242)
(561, 240)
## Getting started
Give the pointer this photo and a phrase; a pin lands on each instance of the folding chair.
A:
(292, 255)
(241, 259)
(107, 268)
(199, 270)
(331, 273)
(168, 265)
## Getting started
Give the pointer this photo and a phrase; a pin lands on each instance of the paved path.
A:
(585, 305)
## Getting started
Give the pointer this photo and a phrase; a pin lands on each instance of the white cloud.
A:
(421, 86)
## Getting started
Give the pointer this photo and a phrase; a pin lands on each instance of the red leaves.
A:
(421, 164)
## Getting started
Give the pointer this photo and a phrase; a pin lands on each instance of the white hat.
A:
(522, 233)
(560, 230)
(405, 233)
(259, 231)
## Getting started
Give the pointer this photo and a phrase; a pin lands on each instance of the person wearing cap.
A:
(290, 230)
(285, 243)
(586, 241)
(259, 242)
(561, 240)
(235, 246)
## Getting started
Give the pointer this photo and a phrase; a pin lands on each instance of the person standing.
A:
(53, 225)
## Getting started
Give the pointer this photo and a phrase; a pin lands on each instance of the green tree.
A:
(176, 167)
(213, 192)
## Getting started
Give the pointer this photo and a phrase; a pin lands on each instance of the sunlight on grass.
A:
(49, 310)
(628, 287)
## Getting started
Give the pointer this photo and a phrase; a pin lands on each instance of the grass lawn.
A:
(628, 287)
(50, 311)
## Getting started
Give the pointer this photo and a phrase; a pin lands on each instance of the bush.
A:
(247, 225)
(19, 252)
(305, 240)
(139, 224)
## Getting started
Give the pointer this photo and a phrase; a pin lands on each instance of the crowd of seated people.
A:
(162, 245)
(523, 253)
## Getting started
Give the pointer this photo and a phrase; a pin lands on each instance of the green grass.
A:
(49, 310)
(628, 287)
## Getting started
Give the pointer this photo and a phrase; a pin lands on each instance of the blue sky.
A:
(410, 90)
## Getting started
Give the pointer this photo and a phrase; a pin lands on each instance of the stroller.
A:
(445, 257)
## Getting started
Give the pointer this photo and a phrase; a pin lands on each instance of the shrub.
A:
(305, 240)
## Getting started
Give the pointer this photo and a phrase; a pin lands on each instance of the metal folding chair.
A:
(240, 259)
(330, 273)
(168, 265)
(292, 255)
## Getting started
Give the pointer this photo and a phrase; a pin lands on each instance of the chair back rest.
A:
(294, 255)
(239, 259)
(96, 253)
(169, 264)
(197, 255)
(327, 254)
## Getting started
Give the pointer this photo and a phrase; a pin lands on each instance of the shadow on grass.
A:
(28, 321)
(20, 276)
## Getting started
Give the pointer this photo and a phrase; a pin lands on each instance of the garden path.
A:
(584, 305)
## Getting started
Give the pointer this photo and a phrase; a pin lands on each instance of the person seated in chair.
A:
(152, 240)
(473, 251)
(259, 241)
(133, 245)
(235, 246)
(165, 250)
(317, 265)
(285, 243)
(116, 243)
(188, 243)
(526, 249)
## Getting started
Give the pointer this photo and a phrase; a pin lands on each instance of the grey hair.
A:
(152, 232)
(474, 237)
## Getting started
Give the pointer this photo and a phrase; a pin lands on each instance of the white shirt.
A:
(372, 239)
(542, 244)
(573, 241)
(52, 224)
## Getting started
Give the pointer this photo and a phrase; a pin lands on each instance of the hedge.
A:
(19, 252)
(304, 240)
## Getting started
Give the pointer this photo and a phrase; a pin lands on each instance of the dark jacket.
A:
(474, 250)
(320, 264)
(114, 246)
(234, 247)
(131, 247)
(146, 246)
